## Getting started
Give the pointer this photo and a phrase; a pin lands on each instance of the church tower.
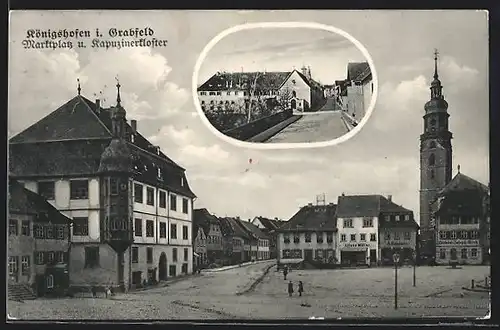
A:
(435, 159)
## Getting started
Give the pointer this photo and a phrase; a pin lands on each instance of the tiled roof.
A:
(313, 217)
(79, 132)
(356, 69)
(270, 224)
(242, 80)
(387, 207)
(24, 201)
(252, 229)
(465, 202)
(462, 182)
(203, 218)
(358, 206)
(235, 229)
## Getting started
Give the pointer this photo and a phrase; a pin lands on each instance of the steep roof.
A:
(79, 132)
(252, 229)
(203, 218)
(388, 206)
(270, 224)
(465, 202)
(313, 217)
(235, 228)
(355, 70)
(358, 206)
(24, 201)
(462, 182)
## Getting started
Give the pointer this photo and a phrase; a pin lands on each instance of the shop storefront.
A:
(467, 251)
(353, 254)
(403, 248)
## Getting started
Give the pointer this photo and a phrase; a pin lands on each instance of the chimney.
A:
(133, 123)
(309, 204)
(389, 197)
(343, 195)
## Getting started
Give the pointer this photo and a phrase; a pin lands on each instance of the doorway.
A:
(293, 104)
(453, 254)
(162, 267)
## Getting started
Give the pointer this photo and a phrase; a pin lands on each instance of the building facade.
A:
(199, 247)
(131, 205)
(215, 238)
(309, 235)
(461, 215)
(357, 90)
(38, 243)
(259, 242)
(435, 162)
(269, 227)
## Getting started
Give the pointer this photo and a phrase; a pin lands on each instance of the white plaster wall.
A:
(301, 88)
(357, 229)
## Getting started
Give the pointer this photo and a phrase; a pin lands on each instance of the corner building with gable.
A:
(131, 205)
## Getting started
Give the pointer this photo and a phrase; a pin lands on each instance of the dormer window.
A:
(182, 181)
(145, 167)
(132, 138)
(159, 173)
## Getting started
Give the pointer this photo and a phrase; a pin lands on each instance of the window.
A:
(442, 254)
(186, 254)
(387, 218)
(138, 227)
(173, 202)
(185, 205)
(185, 230)
(432, 160)
(473, 253)
(432, 175)
(173, 231)
(184, 268)
(138, 193)
(387, 236)
(163, 230)
(464, 253)
(319, 237)
(174, 254)
(442, 235)
(397, 218)
(163, 199)
(353, 237)
(286, 239)
(348, 223)
(51, 256)
(59, 256)
(149, 255)
(308, 237)
(149, 228)
(182, 181)
(113, 186)
(60, 232)
(49, 233)
(13, 265)
(373, 237)
(80, 226)
(367, 222)
(172, 270)
(47, 189)
(38, 231)
(13, 227)
(91, 257)
(296, 238)
(150, 196)
(407, 217)
(362, 237)
(463, 235)
(397, 236)
(474, 234)
(432, 145)
(329, 237)
(136, 278)
(453, 235)
(39, 258)
(218, 93)
(407, 235)
(79, 189)
(286, 254)
(25, 265)
(343, 237)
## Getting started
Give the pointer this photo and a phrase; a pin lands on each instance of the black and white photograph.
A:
(262, 84)
(129, 200)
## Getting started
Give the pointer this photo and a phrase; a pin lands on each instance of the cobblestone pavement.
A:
(328, 293)
(315, 127)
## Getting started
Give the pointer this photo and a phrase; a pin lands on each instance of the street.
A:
(328, 293)
(313, 127)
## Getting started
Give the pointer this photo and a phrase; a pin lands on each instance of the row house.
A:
(269, 227)
(230, 91)
(131, 205)
(259, 243)
(357, 90)
(309, 235)
(38, 244)
(237, 241)
(214, 235)
(200, 238)
(461, 221)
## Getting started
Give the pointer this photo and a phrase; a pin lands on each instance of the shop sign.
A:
(397, 243)
(459, 242)
(356, 245)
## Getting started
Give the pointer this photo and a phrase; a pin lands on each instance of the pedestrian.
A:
(285, 272)
(290, 288)
(94, 291)
(301, 288)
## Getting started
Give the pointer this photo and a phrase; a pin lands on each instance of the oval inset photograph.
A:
(285, 85)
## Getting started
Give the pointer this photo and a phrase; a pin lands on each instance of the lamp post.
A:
(414, 267)
(395, 258)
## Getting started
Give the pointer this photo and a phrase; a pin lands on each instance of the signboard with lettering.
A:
(356, 246)
(398, 243)
(458, 242)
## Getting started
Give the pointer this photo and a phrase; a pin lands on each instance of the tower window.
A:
(432, 160)
(432, 174)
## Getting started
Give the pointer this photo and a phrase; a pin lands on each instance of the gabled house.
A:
(357, 90)
(309, 235)
(200, 234)
(259, 243)
(215, 242)
(131, 204)
(461, 215)
(269, 226)
(38, 244)
(237, 240)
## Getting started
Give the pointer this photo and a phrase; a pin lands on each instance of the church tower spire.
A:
(435, 158)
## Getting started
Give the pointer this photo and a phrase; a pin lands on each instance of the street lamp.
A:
(414, 267)
(395, 258)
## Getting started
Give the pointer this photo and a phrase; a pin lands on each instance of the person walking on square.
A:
(290, 288)
(301, 288)
(285, 272)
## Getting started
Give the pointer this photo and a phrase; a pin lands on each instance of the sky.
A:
(383, 158)
(283, 49)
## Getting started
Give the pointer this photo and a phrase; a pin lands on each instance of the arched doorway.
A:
(293, 104)
(162, 267)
